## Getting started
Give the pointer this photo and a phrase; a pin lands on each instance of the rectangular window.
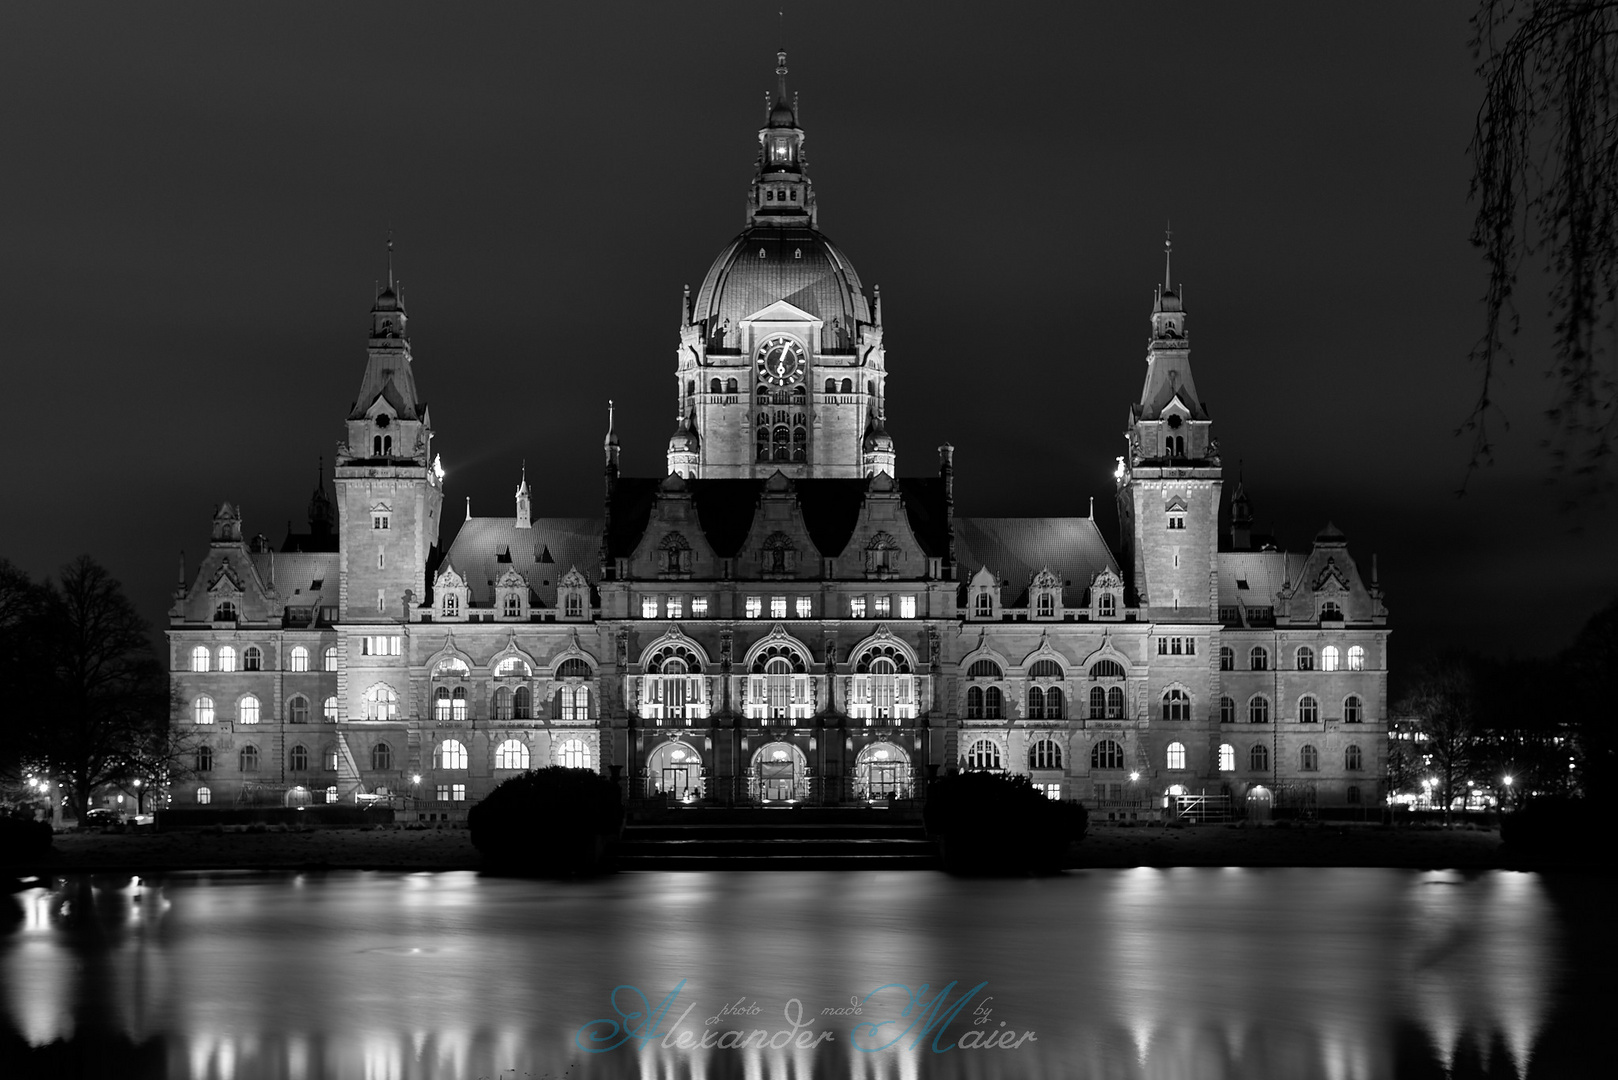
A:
(379, 521)
(648, 607)
(806, 607)
(676, 607)
(457, 793)
(443, 793)
(699, 607)
(755, 606)
(778, 607)
(1162, 646)
(882, 606)
(907, 607)
(856, 607)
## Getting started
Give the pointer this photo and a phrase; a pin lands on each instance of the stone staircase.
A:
(771, 839)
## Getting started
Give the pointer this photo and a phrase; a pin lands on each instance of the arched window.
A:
(1353, 710)
(502, 703)
(381, 703)
(1227, 710)
(247, 710)
(983, 605)
(328, 710)
(1353, 795)
(1176, 755)
(573, 668)
(253, 659)
(298, 659)
(1052, 701)
(574, 703)
(1227, 758)
(1330, 658)
(328, 759)
(1036, 703)
(458, 703)
(199, 658)
(511, 754)
(1046, 754)
(730, 386)
(227, 658)
(1356, 658)
(1045, 669)
(1306, 658)
(1176, 705)
(1258, 709)
(202, 710)
(441, 707)
(451, 667)
(1308, 709)
(716, 387)
(1115, 703)
(248, 758)
(513, 667)
(1227, 658)
(1258, 758)
(993, 704)
(1106, 754)
(331, 658)
(204, 759)
(848, 386)
(573, 754)
(450, 754)
(974, 703)
(298, 758)
(298, 710)
(1353, 761)
(204, 796)
(1107, 669)
(381, 758)
(983, 754)
(985, 669)
(831, 386)
(522, 703)
(1098, 702)
(1309, 759)
(1259, 658)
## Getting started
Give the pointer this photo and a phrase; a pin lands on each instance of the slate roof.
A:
(485, 547)
(1263, 571)
(1016, 548)
(304, 579)
(820, 280)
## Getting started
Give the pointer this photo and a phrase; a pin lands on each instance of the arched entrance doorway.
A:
(882, 771)
(674, 771)
(779, 773)
(1259, 802)
(297, 796)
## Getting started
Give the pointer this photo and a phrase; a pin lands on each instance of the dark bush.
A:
(553, 822)
(22, 840)
(992, 823)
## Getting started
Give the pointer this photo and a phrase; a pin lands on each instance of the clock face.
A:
(780, 361)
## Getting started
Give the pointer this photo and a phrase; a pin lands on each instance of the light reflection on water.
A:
(1344, 974)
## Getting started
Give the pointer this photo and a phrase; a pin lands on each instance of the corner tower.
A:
(1169, 478)
(389, 483)
(780, 363)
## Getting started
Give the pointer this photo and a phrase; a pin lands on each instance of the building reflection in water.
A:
(1127, 974)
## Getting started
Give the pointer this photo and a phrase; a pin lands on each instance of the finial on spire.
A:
(685, 307)
(781, 76)
(469, 508)
(877, 314)
(390, 258)
(1168, 246)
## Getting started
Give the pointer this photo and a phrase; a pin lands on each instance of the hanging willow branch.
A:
(1545, 180)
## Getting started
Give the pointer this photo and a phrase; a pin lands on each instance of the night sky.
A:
(197, 198)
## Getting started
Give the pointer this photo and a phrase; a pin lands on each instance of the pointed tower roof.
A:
(1168, 354)
(388, 373)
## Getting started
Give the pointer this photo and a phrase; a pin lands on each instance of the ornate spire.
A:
(1168, 248)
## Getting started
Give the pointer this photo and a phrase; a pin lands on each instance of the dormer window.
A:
(1108, 606)
(381, 521)
(224, 611)
(984, 606)
(1177, 520)
(452, 606)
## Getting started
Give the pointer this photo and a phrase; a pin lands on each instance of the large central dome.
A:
(795, 263)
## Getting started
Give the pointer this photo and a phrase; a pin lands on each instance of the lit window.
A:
(881, 606)
(457, 793)
(1227, 658)
(1176, 755)
(699, 607)
(1309, 759)
(381, 757)
(778, 607)
(202, 710)
(1176, 705)
(442, 792)
(1227, 710)
(805, 607)
(328, 759)
(1258, 758)
(1356, 658)
(1259, 658)
(1353, 710)
(983, 754)
(247, 710)
(907, 607)
(676, 607)
(298, 660)
(648, 607)
(1330, 658)
(573, 754)
(856, 607)
(331, 658)
(199, 658)
(248, 758)
(331, 794)
(227, 658)
(1306, 659)
(450, 754)
(1258, 710)
(511, 754)
(755, 606)
(1353, 761)
(328, 710)
(381, 703)
(1308, 709)
(1227, 758)
(204, 796)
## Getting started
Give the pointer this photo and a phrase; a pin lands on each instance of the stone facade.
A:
(780, 618)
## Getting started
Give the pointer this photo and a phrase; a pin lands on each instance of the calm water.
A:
(1189, 974)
